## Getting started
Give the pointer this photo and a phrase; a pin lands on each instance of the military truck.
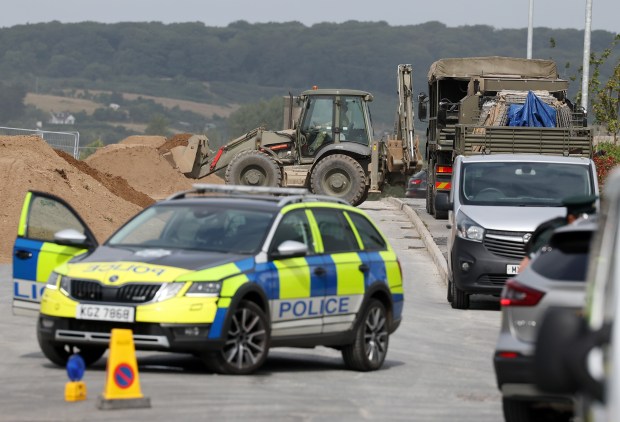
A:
(327, 146)
(467, 106)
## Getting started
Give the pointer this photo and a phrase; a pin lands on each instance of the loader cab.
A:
(333, 119)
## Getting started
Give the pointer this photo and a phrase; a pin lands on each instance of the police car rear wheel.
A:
(59, 353)
(369, 349)
(247, 342)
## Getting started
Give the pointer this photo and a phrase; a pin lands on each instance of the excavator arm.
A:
(404, 129)
(197, 160)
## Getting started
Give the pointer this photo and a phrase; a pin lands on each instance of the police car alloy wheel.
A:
(370, 347)
(247, 342)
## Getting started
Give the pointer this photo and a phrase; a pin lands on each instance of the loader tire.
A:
(253, 168)
(340, 176)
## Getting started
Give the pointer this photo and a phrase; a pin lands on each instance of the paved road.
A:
(438, 367)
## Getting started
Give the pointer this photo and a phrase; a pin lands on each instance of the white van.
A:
(495, 204)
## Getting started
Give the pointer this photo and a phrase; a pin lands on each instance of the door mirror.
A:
(72, 237)
(290, 249)
(422, 106)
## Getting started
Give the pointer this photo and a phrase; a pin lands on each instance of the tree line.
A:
(247, 63)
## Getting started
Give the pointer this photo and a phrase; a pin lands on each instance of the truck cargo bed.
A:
(475, 139)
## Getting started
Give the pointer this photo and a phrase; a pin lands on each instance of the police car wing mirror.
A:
(290, 249)
(72, 237)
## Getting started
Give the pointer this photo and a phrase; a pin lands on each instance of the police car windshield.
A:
(204, 227)
(523, 183)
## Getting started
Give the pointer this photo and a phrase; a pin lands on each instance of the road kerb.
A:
(425, 235)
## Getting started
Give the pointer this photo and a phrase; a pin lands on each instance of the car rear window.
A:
(557, 265)
(335, 231)
(371, 238)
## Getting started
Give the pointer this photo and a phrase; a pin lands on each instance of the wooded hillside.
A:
(244, 63)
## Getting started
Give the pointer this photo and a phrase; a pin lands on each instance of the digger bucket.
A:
(189, 159)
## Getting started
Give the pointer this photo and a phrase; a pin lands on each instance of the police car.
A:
(222, 272)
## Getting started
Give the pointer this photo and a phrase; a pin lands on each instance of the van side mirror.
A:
(442, 202)
(422, 106)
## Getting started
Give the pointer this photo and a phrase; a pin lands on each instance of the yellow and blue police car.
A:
(222, 272)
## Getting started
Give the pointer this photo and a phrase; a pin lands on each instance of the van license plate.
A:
(512, 269)
(105, 313)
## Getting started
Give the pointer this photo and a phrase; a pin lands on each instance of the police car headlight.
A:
(65, 285)
(167, 291)
(204, 288)
(52, 281)
(466, 228)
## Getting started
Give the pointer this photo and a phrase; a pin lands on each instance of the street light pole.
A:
(586, 57)
(530, 30)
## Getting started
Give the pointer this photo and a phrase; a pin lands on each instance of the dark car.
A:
(416, 186)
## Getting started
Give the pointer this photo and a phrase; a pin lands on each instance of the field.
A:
(56, 104)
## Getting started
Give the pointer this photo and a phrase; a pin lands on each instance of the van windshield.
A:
(523, 183)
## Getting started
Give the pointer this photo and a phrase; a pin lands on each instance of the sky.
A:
(497, 13)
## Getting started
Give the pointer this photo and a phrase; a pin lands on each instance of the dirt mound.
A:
(154, 141)
(174, 141)
(115, 184)
(28, 163)
(144, 167)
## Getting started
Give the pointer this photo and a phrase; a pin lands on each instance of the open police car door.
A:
(50, 233)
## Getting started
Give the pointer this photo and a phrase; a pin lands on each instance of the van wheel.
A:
(517, 410)
(368, 350)
(247, 342)
(59, 353)
(460, 299)
(449, 292)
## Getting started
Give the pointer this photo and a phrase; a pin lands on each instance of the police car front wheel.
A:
(368, 350)
(246, 345)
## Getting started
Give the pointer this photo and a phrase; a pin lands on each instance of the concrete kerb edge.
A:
(427, 238)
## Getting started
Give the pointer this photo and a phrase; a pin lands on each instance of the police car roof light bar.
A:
(310, 197)
(291, 195)
(200, 188)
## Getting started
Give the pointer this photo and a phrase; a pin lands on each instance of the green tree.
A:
(11, 101)
(158, 126)
(91, 148)
(606, 96)
(266, 113)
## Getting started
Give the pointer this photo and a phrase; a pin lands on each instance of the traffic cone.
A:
(122, 387)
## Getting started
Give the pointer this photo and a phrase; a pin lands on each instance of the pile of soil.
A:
(154, 141)
(179, 139)
(144, 167)
(28, 163)
(106, 189)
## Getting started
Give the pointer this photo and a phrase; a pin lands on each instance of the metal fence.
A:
(68, 142)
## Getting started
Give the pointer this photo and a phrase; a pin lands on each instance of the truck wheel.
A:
(253, 168)
(368, 350)
(341, 176)
(59, 353)
(247, 342)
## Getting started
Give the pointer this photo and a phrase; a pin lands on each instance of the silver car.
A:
(554, 278)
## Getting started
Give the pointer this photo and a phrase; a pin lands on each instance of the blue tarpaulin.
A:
(533, 113)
